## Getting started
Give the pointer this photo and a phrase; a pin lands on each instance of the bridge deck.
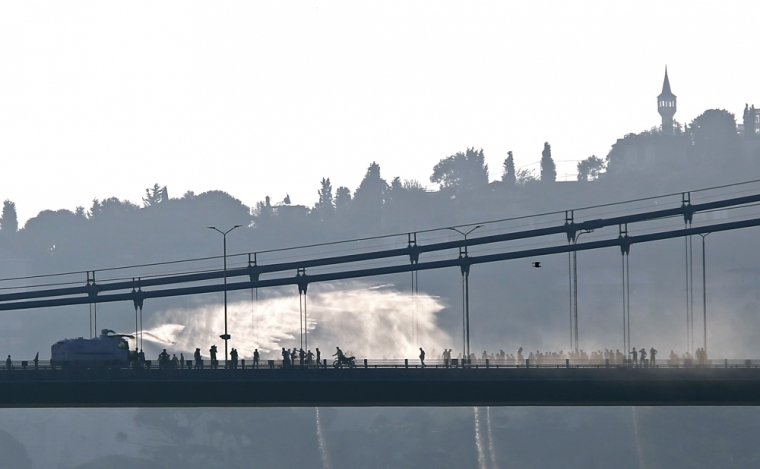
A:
(358, 387)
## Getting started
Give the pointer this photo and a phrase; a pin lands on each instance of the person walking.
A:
(285, 358)
(234, 357)
(163, 360)
(309, 358)
(212, 353)
(422, 357)
(198, 359)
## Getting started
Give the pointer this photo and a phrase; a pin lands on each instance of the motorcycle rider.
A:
(339, 354)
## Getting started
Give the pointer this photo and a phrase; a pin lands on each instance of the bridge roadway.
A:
(544, 386)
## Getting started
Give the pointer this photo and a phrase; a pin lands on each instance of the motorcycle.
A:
(348, 362)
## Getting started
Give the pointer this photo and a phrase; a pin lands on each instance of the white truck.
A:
(109, 350)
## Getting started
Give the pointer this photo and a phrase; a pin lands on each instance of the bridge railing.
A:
(395, 363)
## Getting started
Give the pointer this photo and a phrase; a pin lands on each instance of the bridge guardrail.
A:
(151, 367)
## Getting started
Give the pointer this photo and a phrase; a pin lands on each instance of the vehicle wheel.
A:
(352, 364)
(336, 364)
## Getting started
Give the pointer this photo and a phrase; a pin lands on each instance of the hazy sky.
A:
(101, 99)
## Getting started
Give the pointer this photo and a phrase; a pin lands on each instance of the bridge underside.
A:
(381, 387)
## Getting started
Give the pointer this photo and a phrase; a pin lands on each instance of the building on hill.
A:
(750, 126)
(671, 147)
(666, 105)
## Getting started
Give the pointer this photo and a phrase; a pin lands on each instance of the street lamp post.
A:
(226, 336)
(704, 289)
(466, 309)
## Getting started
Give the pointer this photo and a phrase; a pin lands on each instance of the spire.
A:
(666, 86)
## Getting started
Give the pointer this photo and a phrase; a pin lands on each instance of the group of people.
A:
(214, 362)
(700, 356)
(636, 357)
(304, 357)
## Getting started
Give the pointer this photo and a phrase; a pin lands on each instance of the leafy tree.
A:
(509, 175)
(9, 218)
(370, 195)
(525, 176)
(548, 169)
(462, 171)
(263, 211)
(413, 185)
(155, 195)
(325, 206)
(713, 135)
(112, 207)
(342, 199)
(590, 167)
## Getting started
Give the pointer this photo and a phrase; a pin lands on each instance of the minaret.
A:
(666, 105)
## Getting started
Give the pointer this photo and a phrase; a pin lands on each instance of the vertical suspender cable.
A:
(686, 257)
(256, 315)
(691, 292)
(300, 314)
(141, 329)
(625, 313)
(570, 290)
(305, 325)
(575, 297)
(414, 313)
(90, 320)
(464, 326)
(628, 293)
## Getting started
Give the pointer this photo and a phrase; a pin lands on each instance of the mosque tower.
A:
(666, 105)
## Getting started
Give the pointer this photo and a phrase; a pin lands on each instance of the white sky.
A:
(101, 99)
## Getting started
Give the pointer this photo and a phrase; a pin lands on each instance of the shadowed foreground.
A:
(381, 387)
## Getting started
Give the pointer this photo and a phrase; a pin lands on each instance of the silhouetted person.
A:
(652, 355)
(643, 354)
(309, 358)
(234, 357)
(422, 357)
(319, 357)
(256, 358)
(301, 357)
(635, 356)
(285, 357)
(520, 355)
(212, 353)
(8, 363)
(141, 359)
(198, 359)
(163, 359)
(175, 361)
(182, 361)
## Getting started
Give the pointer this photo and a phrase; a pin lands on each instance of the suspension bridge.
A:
(473, 382)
